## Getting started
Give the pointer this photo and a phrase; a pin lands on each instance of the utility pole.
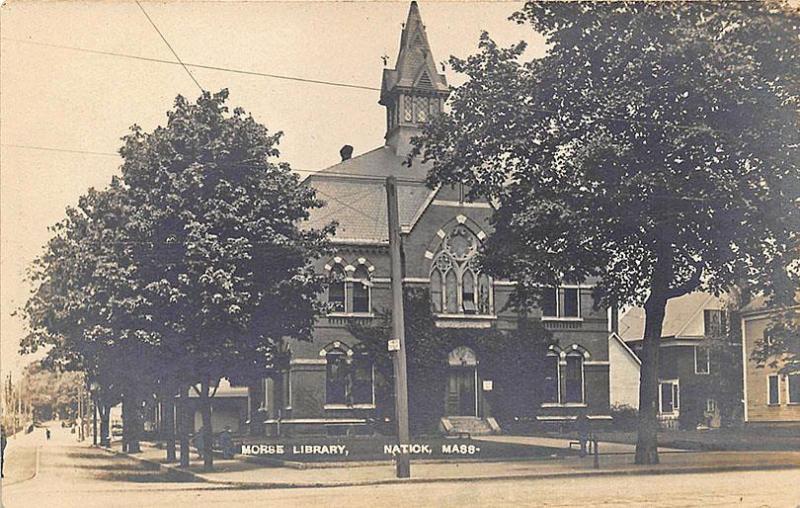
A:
(398, 328)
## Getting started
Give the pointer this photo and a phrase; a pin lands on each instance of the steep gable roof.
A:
(684, 317)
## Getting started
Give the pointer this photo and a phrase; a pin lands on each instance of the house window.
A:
(336, 377)
(715, 323)
(793, 388)
(561, 303)
(551, 379)
(711, 405)
(773, 390)
(336, 289)
(573, 378)
(571, 302)
(550, 302)
(457, 284)
(361, 290)
(702, 360)
(669, 397)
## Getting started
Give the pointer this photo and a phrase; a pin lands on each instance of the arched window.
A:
(436, 291)
(573, 377)
(457, 284)
(484, 289)
(552, 380)
(361, 290)
(336, 389)
(336, 289)
(349, 376)
(362, 380)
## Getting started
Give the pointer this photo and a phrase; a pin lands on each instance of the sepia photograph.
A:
(397, 253)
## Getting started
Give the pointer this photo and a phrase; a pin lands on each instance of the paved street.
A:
(71, 474)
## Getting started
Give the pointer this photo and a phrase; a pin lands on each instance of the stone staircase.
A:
(468, 425)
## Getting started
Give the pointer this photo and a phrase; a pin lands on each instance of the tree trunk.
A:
(208, 434)
(647, 439)
(130, 408)
(183, 426)
(168, 419)
(105, 416)
(126, 424)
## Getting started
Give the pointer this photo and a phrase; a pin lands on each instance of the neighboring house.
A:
(770, 397)
(624, 373)
(695, 372)
(329, 384)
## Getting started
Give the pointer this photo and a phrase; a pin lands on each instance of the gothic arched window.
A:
(573, 377)
(361, 290)
(457, 284)
(336, 292)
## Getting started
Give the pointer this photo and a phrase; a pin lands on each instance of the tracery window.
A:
(457, 284)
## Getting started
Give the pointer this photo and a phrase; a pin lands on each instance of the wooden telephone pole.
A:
(398, 344)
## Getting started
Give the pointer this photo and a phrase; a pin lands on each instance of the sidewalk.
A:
(242, 474)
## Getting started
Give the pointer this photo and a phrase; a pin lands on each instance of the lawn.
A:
(731, 439)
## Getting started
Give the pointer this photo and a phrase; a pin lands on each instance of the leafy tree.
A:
(219, 244)
(508, 357)
(654, 148)
(85, 308)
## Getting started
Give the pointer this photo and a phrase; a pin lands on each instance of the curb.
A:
(539, 476)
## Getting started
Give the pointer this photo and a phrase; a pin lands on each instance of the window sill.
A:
(564, 404)
(349, 406)
(465, 316)
(558, 318)
(351, 315)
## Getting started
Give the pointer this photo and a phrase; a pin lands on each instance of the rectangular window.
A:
(549, 302)
(669, 397)
(793, 387)
(711, 405)
(571, 302)
(702, 360)
(773, 390)
(715, 323)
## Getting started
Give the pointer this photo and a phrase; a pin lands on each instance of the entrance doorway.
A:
(461, 394)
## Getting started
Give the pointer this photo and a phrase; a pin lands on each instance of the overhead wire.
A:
(196, 65)
(175, 53)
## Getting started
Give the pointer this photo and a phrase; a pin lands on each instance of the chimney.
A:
(346, 152)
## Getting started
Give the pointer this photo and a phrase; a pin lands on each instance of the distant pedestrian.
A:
(200, 441)
(226, 442)
(3, 451)
(583, 427)
(47, 433)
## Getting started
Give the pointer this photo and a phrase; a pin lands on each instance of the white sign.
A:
(487, 385)
(394, 344)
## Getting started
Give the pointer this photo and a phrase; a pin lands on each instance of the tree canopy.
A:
(654, 149)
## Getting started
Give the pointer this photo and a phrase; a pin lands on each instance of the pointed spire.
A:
(413, 91)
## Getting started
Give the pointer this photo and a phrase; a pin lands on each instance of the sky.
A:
(59, 98)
